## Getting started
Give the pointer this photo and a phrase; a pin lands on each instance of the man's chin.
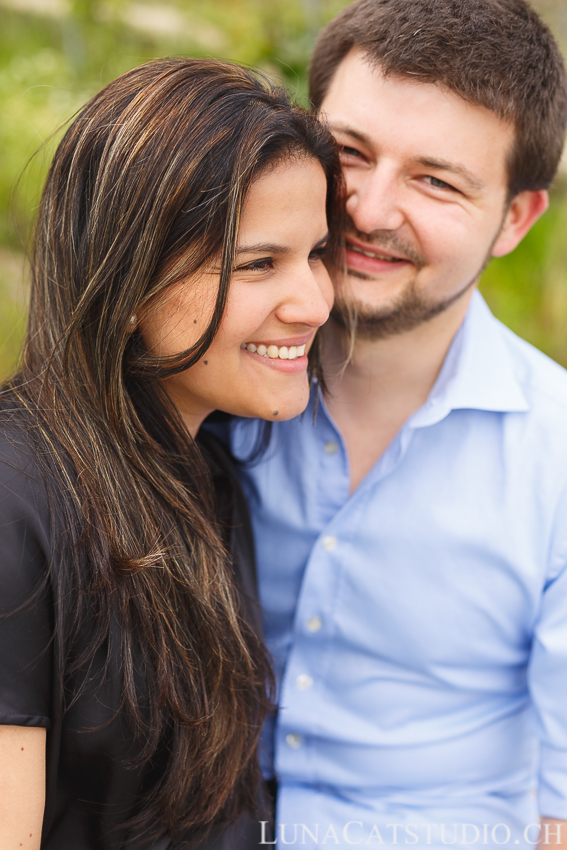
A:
(371, 323)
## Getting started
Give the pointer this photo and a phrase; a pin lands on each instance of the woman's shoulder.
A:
(23, 495)
(26, 610)
(19, 457)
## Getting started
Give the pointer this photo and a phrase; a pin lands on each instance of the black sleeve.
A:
(26, 616)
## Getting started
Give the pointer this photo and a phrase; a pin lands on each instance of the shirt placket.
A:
(301, 695)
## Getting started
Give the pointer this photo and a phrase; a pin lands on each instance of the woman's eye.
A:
(438, 184)
(261, 265)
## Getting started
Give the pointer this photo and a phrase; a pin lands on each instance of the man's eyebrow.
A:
(428, 162)
(350, 131)
(453, 167)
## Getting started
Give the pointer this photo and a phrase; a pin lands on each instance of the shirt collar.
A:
(478, 372)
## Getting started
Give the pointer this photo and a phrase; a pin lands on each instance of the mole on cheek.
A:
(206, 362)
(22, 749)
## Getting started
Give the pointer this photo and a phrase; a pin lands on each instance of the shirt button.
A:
(294, 740)
(304, 682)
(314, 624)
(331, 447)
(329, 542)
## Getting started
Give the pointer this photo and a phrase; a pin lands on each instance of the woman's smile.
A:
(287, 356)
(274, 351)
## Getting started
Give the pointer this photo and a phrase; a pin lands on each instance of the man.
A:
(412, 542)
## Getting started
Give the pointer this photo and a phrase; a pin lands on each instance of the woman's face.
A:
(279, 295)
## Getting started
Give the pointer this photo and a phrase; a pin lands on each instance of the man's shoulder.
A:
(543, 381)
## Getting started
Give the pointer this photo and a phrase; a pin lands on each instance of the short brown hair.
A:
(492, 53)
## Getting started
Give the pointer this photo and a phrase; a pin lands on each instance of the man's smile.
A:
(372, 260)
(373, 253)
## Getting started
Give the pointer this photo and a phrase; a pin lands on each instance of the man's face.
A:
(426, 193)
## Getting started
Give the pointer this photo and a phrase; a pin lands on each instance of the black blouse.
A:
(91, 784)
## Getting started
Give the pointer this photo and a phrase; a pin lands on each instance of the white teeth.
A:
(275, 353)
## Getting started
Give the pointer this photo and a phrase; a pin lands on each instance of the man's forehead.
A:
(358, 84)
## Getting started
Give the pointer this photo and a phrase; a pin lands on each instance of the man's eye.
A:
(320, 253)
(438, 184)
(347, 151)
(260, 265)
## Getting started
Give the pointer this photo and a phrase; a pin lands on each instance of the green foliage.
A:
(13, 309)
(51, 64)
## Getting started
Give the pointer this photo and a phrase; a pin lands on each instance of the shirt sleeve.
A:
(547, 677)
(26, 616)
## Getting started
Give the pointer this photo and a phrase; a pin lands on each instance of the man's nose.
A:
(374, 200)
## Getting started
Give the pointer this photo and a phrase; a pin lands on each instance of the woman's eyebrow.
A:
(263, 248)
(267, 248)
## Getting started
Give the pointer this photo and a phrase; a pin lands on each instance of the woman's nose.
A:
(309, 298)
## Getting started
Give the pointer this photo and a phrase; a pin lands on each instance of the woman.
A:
(177, 269)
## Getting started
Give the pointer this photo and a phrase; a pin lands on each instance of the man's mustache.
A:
(402, 248)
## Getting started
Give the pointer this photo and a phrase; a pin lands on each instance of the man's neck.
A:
(385, 381)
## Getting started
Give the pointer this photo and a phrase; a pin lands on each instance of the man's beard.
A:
(407, 312)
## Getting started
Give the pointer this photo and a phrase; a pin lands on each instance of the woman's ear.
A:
(523, 212)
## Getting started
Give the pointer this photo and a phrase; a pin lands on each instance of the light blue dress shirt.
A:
(419, 625)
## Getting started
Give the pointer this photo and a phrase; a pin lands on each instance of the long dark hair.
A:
(145, 188)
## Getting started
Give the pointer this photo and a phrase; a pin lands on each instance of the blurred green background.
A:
(54, 54)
